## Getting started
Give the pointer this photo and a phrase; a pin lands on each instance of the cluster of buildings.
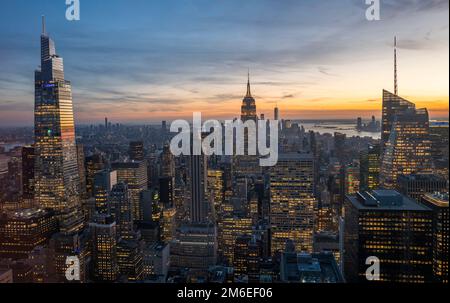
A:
(135, 213)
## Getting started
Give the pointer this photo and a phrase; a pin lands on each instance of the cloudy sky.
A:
(145, 61)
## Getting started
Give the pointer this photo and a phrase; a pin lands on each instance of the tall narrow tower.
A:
(57, 182)
(395, 67)
(248, 109)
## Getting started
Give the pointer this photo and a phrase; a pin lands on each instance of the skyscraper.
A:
(167, 162)
(229, 228)
(407, 147)
(134, 174)
(438, 203)
(121, 208)
(393, 228)
(439, 136)
(94, 164)
(103, 184)
(57, 179)
(247, 164)
(292, 202)
(137, 151)
(248, 108)
(197, 184)
(370, 161)
(339, 145)
(392, 106)
(28, 160)
(104, 248)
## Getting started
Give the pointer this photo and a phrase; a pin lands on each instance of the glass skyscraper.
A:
(57, 179)
(406, 142)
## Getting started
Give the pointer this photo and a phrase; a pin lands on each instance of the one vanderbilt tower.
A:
(57, 180)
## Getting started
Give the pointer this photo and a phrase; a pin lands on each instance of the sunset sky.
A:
(145, 61)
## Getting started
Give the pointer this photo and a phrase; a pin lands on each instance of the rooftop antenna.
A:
(249, 94)
(43, 25)
(395, 67)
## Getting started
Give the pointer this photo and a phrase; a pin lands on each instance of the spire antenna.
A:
(43, 25)
(249, 94)
(395, 67)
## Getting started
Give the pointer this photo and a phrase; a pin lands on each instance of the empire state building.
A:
(57, 181)
(247, 165)
(248, 108)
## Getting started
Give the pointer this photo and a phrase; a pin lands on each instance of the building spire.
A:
(43, 25)
(249, 94)
(395, 67)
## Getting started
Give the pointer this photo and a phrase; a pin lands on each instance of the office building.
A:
(196, 186)
(370, 162)
(134, 174)
(103, 184)
(248, 252)
(438, 203)
(416, 186)
(104, 249)
(292, 202)
(309, 268)
(130, 260)
(167, 162)
(28, 163)
(57, 181)
(194, 247)
(94, 164)
(122, 210)
(407, 145)
(156, 262)
(22, 231)
(395, 229)
(137, 151)
(230, 227)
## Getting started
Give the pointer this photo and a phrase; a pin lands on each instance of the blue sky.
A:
(146, 60)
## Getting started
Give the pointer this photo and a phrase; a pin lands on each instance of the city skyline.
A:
(199, 62)
(357, 201)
